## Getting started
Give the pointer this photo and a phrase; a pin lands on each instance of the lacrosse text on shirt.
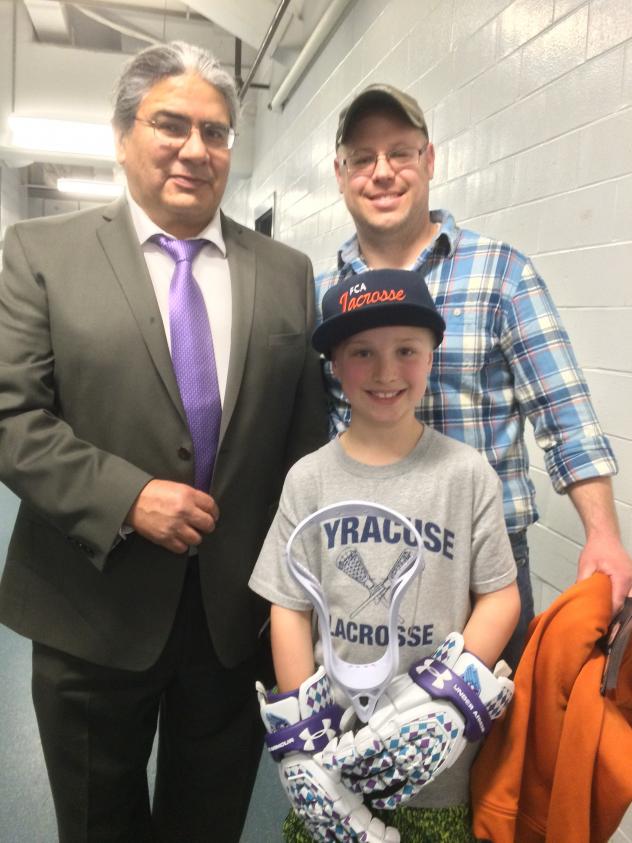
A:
(377, 636)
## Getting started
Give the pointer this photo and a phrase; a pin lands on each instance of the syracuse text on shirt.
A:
(353, 530)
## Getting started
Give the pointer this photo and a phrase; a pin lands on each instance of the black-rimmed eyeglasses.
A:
(174, 131)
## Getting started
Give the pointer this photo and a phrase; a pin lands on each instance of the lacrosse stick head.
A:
(385, 584)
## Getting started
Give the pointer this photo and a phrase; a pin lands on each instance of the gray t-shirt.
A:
(453, 498)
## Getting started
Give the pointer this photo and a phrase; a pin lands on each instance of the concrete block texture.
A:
(555, 51)
(590, 276)
(610, 24)
(521, 22)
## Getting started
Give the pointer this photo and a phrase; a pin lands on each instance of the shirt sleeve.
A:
(550, 386)
(492, 563)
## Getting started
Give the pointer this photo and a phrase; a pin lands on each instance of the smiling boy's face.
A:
(384, 372)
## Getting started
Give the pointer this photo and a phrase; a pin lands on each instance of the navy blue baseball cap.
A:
(374, 299)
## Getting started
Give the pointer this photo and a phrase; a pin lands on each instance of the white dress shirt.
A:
(210, 269)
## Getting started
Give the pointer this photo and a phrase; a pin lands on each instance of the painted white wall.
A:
(529, 104)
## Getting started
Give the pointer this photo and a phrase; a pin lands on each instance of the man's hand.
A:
(173, 515)
(608, 555)
(594, 501)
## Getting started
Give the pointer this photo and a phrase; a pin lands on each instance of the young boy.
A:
(380, 329)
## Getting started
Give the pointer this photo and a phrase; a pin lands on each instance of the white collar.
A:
(146, 227)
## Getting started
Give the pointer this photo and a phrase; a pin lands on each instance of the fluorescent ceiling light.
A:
(83, 187)
(67, 136)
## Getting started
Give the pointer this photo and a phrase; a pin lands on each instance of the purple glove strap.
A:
(309, 735)
(440, 682)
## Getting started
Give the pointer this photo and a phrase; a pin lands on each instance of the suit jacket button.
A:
(184, 453)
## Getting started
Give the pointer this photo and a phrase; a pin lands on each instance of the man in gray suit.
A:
(154, 389)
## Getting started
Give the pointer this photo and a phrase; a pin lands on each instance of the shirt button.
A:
(457, 311)
(184, 453)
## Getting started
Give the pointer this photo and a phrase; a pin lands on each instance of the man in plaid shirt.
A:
(505, 356)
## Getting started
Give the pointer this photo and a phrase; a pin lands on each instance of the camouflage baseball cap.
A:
(377, 95)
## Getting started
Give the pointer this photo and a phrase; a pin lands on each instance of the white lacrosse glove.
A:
(421, 725)
(299, 725)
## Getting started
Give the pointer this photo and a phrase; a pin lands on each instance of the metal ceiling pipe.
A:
(276, 20)
(312, 45)
(238, 78)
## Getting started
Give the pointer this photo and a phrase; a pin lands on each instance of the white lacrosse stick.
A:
(363, 683)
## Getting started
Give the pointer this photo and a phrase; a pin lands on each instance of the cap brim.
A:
(338, 328)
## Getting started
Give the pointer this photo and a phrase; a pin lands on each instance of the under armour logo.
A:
(441, 677)
(310, 739)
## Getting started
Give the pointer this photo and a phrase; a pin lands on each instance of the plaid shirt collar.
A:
(350, 258)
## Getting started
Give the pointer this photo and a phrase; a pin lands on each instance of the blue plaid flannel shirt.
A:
(505, 358)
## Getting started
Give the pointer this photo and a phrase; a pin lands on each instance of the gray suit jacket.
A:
(90, 412)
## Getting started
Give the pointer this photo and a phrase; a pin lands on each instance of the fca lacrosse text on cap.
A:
(372, 300)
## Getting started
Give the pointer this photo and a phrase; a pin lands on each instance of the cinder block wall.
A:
(529, 104)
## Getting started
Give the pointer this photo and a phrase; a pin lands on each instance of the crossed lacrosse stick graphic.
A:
(350, 562)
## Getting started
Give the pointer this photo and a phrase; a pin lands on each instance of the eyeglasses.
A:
(173, 131)
(363, 163)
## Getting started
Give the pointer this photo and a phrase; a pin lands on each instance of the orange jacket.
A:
(558, 767)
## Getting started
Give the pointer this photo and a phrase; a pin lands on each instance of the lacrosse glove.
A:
(299, 724)
(421, 725)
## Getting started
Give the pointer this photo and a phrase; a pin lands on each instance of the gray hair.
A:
(154, 63)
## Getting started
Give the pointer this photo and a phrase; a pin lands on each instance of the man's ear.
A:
(338, 172)
(430, 160)
(119, 145)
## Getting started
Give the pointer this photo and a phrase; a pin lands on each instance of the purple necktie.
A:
(193, 356)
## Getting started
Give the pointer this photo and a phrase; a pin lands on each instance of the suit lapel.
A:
(120, 244)
(241, 263)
